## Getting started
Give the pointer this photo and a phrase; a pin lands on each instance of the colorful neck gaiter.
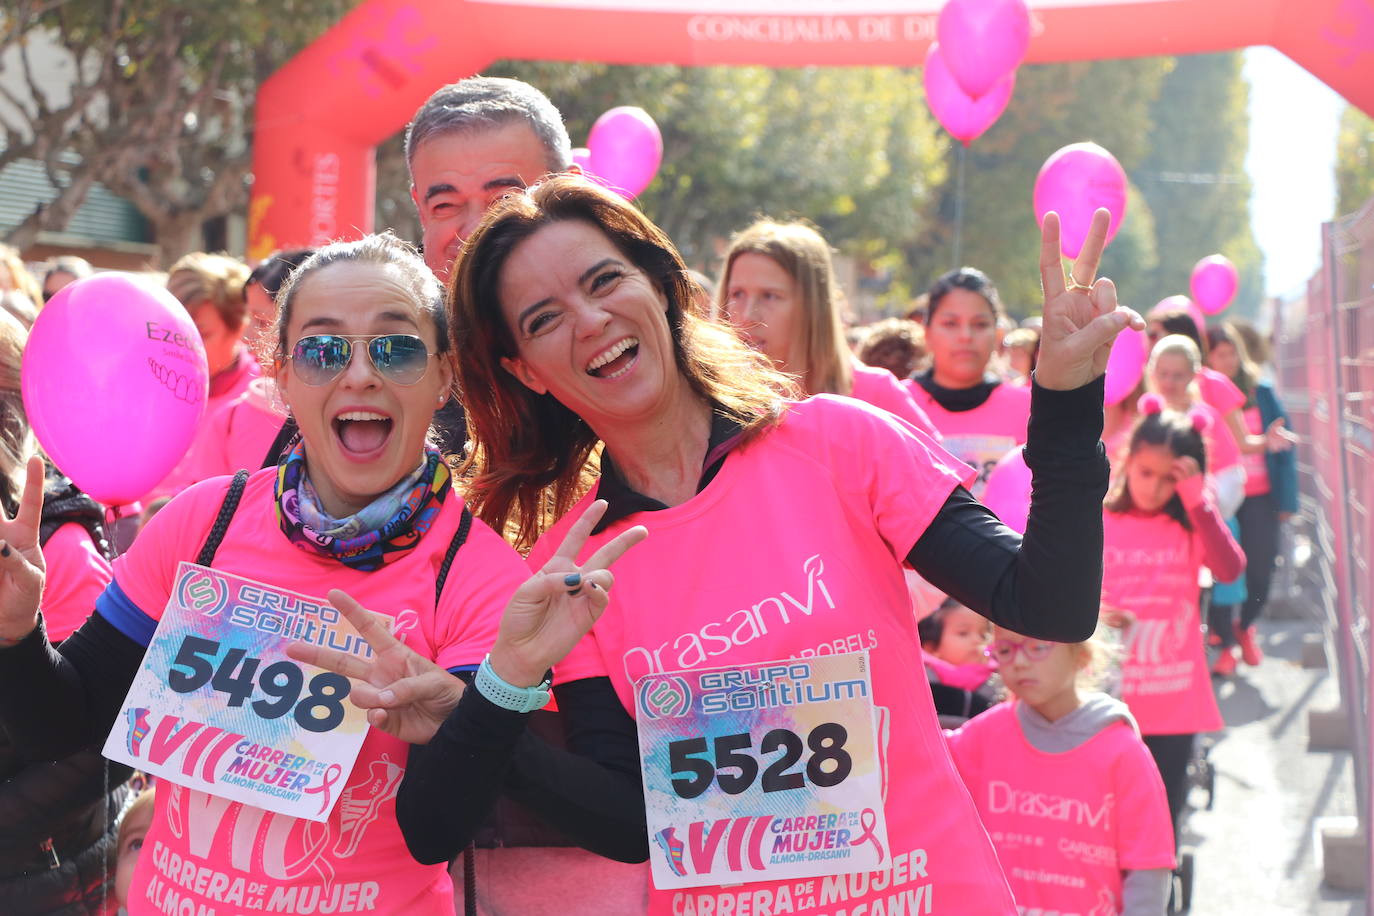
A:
(392, 523)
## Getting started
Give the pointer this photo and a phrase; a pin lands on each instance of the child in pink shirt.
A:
(1161, 527)
(1065, 787)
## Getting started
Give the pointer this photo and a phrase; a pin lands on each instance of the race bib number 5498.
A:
(218, 706)
(761, 772)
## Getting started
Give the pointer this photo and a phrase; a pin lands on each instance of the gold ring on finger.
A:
(1074, 285)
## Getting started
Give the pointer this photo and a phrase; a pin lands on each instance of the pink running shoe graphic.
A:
(361, 803)
(673, 849)
(138, 728)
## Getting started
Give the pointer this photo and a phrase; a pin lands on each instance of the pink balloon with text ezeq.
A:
(114, 381)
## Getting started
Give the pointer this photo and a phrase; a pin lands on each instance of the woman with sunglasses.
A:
(363, 509)
(576, 320)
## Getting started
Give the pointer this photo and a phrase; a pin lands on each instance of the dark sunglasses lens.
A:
(320, 358)
(402, 358)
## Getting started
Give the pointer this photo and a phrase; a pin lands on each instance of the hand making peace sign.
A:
(22, 570)
(1081, 317)
(409, 696)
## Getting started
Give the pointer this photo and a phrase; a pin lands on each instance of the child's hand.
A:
(1185, 467)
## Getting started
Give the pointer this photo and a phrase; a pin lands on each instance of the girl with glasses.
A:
(363, 511)
(1064, 785)
(1161, 527)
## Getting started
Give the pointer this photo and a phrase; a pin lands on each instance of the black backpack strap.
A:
(226, 512)
(287, 432)
(459, 536)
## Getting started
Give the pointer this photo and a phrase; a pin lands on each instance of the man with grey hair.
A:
(471, 142)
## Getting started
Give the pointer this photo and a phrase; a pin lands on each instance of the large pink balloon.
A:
(1125, 365)
(1214, 283)
(984, 40)
(114, 382)
(1074, 182)
(962, 115)
(1008, 490)
(1174, 303)
(626, 149)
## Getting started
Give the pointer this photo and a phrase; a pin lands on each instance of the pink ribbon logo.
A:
(868, 820)
(331, 776)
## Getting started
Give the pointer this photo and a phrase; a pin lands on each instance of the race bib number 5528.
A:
(218, 706)
(761, 772)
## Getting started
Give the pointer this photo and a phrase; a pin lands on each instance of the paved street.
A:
(1257, 852)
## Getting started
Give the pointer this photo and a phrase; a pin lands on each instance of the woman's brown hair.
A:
(528, 456)
(217, 279)
(817, 353)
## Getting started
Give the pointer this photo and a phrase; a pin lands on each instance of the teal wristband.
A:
(508, 696)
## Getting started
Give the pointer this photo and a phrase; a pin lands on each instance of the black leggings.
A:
(1172, 753)
(1259, 538)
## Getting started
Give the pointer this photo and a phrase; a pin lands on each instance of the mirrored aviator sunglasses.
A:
(401, 359)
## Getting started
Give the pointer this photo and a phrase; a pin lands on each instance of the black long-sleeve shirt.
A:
(1046, 585)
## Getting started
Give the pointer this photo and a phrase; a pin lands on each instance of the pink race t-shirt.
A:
(1219, 391)
(881, 389)
(1222, 450)
(795, 550)
(981, 436)
(1150, 567)
(1066, 825)
(77, 574)
(1256, 464)
(225, 856)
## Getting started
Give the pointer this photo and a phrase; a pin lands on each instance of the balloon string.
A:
(959, 208)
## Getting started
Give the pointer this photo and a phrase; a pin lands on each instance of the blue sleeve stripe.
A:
(125, 616)
(463, 669)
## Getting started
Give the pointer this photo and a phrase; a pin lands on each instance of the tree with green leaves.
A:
(151, 98)
(1193, 177)
(1054, 105)
(1354, 161)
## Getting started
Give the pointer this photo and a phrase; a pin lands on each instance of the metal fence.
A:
(1324, 362)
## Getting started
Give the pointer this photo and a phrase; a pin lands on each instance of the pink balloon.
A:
(1074, 182)
(964, 117)
(984, 40)
(1125, 365)
(114, 381)
(582, 156)
(626, 149)
(1214, 283)
(1173, 303)
(1008, 490)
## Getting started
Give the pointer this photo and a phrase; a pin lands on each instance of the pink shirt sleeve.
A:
(882, 389)
(1220, 552)
(1220, 391)
(486, 572)
(146, 571)
(77, 574)
(1145, 835)
(903, 474)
